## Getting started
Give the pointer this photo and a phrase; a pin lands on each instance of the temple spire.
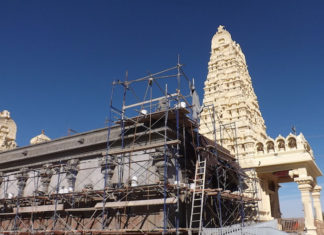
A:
(229, 89)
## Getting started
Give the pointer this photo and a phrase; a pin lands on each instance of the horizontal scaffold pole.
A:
(141, 148)
(150, 101)
(149, 202)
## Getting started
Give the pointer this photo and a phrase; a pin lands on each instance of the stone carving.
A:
(158, 162)
(229, 88)
(21, 177)
(71, 168)
(270, 146)
(108, 166)
(281, 144)
(304, 182)
(8, 130)
(46, 174)
(294, 142)
(220, 28)
(40, 138)
(259, 147)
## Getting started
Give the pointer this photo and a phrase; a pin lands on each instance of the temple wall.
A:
(90, 174)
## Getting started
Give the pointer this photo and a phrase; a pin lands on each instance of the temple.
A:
(148, 172)
(240, 128)
(164, 164)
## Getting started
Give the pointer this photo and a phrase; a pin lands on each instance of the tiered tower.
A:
(228, 88)
(8, 131)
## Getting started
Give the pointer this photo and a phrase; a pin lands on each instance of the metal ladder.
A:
(198, 196)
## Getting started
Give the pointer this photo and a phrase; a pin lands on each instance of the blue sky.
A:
(58, 59)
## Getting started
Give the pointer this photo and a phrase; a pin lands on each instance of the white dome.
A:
(40, 139)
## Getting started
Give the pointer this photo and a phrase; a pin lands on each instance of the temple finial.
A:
(220, 28)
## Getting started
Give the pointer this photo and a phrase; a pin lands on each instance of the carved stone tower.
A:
(239, 124)
(8, 131)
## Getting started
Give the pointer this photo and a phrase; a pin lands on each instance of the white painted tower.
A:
(229, 89)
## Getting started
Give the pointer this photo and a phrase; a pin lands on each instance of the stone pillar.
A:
(71, 168)
(264, 203)
(317, 202)
(158, 162)
(46, 174)
(108, 165)
(1, 178)
(305, 187)
(275, 205)
(21, 177)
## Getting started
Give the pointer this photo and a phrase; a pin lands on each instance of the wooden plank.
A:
(149, 202)
(81, 209)
(10, 213)
(34, 209)
(141, 148)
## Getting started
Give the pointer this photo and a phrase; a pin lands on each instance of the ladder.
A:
(198, 196)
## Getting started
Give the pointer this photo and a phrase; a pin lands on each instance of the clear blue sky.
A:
(58, 58)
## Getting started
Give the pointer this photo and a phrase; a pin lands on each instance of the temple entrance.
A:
(304, 180)
(290, 201)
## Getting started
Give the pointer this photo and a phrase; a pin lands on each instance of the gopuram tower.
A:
(231, 114)
(229, 99)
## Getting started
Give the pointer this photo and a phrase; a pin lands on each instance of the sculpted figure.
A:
(270, 146)
(292, 142)
(281, 144)
(260, 147)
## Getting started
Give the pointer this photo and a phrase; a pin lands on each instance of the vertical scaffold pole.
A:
(36, 178)
(240, 177)
(178, 147)
(17, 209)
(217, 174)
(103, 223)
(57, 192)
(121, 157)
(165, 214)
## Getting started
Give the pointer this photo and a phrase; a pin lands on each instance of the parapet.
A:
(283, 144)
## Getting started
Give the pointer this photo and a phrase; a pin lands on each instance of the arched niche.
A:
(292, 143)
(270, 146)
(259, 147)
(281, 144)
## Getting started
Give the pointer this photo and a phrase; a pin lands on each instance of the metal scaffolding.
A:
(147, 180)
